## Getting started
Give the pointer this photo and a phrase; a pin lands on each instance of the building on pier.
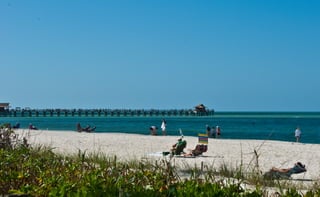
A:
(4, 107)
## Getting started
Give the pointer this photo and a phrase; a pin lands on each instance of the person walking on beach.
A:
(297, 134)
(163, 127)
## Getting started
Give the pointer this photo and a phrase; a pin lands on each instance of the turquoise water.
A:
(234, 125)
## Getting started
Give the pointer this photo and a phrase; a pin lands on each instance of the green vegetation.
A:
(38, 171)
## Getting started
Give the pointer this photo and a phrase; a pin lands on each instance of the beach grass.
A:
(40, 171)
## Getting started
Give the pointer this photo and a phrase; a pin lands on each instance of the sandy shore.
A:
(220, 151)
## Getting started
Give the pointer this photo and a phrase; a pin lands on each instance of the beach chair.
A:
(203, 139)
(202, 145)
(200, 148)
(178, 147)
(275, 173)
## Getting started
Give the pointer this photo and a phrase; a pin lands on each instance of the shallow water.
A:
(234, 125)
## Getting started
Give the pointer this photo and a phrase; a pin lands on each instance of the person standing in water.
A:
(213, 132)
(218, 131)
(297, 134)
(208, 130)
(163, 127)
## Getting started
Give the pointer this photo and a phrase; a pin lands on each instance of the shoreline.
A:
(238, 127)
(229, 152)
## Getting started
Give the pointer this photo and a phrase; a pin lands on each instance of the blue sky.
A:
(228, 55)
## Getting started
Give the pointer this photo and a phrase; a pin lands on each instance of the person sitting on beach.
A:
(87, 129)
(153, 130)
(17, 126)
(178, 147)
(32, 127)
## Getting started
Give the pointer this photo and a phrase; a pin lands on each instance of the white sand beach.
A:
(220, 151)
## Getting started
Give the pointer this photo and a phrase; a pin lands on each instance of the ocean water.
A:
(234, 125)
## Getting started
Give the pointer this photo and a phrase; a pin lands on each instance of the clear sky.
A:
(229, 55)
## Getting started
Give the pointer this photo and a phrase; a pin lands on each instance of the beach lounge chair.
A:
(201, 147)
(276, 173)
(177, 149)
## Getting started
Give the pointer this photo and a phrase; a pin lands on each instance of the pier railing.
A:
(103, 112)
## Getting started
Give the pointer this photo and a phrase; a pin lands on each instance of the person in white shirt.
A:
(297, 134)
(163, 127)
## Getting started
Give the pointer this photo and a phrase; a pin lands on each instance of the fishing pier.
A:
(102, 112)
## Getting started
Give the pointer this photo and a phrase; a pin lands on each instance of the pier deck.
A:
(102, 112)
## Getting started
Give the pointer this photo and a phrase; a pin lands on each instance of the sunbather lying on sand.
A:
(285, 172)
(198, 150)
(297, 168)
